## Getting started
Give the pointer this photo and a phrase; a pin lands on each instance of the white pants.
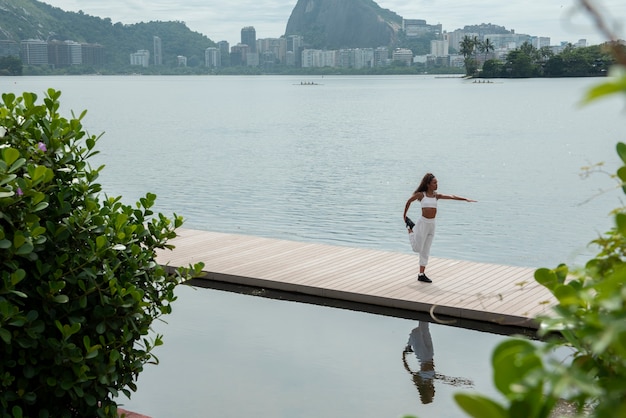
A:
(422, 237)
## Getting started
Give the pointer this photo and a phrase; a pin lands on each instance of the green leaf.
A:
(38, 197)
(10, 155)
(91, 142)
(5, 335)
(114, 356)
(479, 406)
(605, 89)
(620, 220)
(621, 173)
(512, 360)
(8, 178)
(40, 206)
(25, 248)
(17, 412)
(38, 230)
(17, 165)
(120, 221)
(19, 239)
(39, 174)
(18, 293)
(90, 399)
(621, 151)
(566, 295)
(61, 299)
(17, 276)
(546, 278)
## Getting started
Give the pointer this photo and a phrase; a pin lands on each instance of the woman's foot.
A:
(423, 278)
(409, 224)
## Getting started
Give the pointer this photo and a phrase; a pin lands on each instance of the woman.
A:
(422, 238)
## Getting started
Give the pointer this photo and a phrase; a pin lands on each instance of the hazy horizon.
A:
(560, 21)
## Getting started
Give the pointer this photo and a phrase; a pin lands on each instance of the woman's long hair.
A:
(428, 177)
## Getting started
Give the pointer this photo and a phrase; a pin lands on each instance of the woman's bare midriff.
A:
(429, 213)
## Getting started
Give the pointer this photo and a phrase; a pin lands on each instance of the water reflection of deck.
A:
(498, 294)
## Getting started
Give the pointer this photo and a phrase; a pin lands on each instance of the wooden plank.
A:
(460, 288)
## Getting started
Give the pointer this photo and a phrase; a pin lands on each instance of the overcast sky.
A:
(560, 20)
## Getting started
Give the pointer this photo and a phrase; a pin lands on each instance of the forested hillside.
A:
(30, 19)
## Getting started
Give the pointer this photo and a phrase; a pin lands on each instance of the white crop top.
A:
(429, 202)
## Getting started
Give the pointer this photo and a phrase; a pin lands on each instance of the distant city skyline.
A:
(561, 21)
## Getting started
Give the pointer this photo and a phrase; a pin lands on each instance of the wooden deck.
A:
(498, 294)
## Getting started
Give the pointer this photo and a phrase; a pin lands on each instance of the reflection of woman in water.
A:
(421, 343)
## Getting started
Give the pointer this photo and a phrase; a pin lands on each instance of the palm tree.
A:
(487, 47)
(477, 43)
(528, 49)
(468, 46)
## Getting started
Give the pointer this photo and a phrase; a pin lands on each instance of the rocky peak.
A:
(335, 24)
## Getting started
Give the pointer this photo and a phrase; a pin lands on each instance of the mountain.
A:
(337, 24)
(31, 19)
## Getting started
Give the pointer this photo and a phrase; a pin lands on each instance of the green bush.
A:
(588, 322)
(79, 284)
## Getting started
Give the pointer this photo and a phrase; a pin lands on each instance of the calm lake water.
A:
(334, 163)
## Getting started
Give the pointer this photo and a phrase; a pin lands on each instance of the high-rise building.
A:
(239, 54)
(141, 57)
(363, 57)
(252, 59)
(381, 56)
(34, 52)
(540, 41)
(224, 48)
(212, 57)
(64, 53)
(93, 54)
(355, 58)
(403, 55)
(295, 45)
(248, 37)
(418, 27)
(439, 48)
(157, 50)
(319, 58)
(272, 49)
(508, 41)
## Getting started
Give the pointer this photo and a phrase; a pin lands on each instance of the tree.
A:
(79, 282)
(545, 52)
(519, 65)
(486, 47)
(492, 68)
(10, 66)
(554, 67)
(529, 50)
(468, 46)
